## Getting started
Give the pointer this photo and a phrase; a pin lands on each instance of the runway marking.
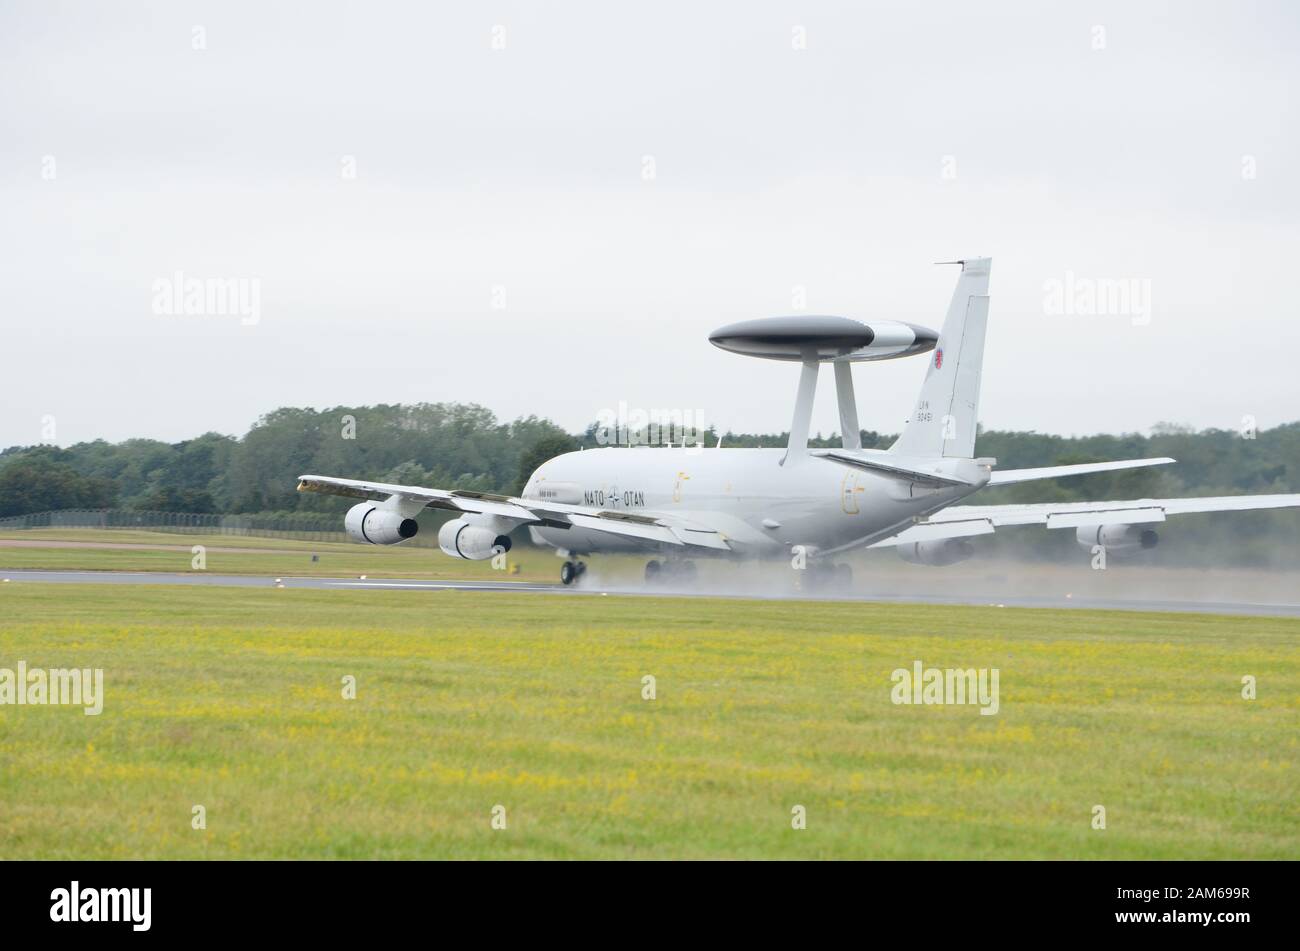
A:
(447, 585)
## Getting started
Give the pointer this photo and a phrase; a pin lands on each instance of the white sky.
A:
(522, 168)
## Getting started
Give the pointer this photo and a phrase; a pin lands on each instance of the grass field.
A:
(234, 554)
(232, 699)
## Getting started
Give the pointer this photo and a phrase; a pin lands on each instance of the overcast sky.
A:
(555, 225)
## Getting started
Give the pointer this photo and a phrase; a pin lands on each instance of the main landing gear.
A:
(571, 571)
(668, 571)
(828, 577)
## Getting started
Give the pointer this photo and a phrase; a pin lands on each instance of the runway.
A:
(22, 576)
(260, 581)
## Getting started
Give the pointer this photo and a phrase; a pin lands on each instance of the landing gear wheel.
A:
(568, 573)
(823, 576)
(688, 571)
(652, 571)
(580, 567)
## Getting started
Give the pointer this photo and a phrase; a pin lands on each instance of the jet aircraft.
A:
(679, 503)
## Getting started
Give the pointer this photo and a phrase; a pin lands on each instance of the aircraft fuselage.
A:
(761, 506)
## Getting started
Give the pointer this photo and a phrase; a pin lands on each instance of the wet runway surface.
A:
(17, 576)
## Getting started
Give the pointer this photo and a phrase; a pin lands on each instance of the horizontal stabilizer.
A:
(902, 473)
(1008, 476)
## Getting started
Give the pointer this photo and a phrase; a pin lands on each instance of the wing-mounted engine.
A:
(937, 553)
(373, 525)
(1121, 539)
(460, 539)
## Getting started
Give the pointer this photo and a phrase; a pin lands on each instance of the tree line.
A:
(465, 446)
(448, 445)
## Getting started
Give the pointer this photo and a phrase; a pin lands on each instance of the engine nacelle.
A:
(369, 523)
(460, 539)
(1117, 538)
(938, 553)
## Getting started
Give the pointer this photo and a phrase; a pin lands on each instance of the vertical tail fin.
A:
(943, 422)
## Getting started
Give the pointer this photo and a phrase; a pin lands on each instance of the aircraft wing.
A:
(666, 529)
(960, 521)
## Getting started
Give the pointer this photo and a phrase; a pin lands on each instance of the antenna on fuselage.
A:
(812, 341)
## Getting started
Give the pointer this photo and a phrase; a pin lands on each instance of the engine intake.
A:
(460, 539)
(1117, 538)
(938, 553)
(369, 523)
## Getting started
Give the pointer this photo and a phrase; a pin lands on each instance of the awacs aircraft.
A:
(678, 503)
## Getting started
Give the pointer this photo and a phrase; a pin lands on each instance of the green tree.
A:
(176, 500)
(545, 448)
(39, 483)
